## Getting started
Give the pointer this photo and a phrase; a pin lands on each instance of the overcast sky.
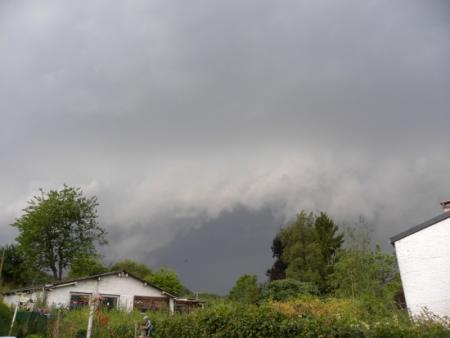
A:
(203, 126)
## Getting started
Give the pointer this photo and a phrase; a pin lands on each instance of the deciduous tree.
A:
(56, 227)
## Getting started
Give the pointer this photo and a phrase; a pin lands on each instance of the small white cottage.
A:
(115, 290)
(423, 254)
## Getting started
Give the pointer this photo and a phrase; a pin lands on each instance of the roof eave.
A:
(419, 227)
(67, 281)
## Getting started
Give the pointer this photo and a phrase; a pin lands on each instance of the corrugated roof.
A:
(419, 227)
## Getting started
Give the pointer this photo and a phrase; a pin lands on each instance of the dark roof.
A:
(27, 289)
(73, 280)
(419, 227)
(190, 301)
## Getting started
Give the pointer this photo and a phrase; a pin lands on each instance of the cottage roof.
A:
(79, 279)
(420, 227)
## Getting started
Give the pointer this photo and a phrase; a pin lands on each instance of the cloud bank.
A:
(182, 115)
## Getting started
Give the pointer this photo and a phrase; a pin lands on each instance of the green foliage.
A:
(368, 273)
(185, 292)
(307, 317)
(111, 324)
(306, 249)
(329, 241)
(86, 265)
(163, 278)
(287, 288)
(167, 280)
(56, 226)
(135, 268)
(29, 323)
(209, 296)
(245, 290)
(353, 273)
(278, 269)
(5, 319)
(16, 273)
(334, 319)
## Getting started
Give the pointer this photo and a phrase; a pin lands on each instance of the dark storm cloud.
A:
(174, 112)
(212, 257)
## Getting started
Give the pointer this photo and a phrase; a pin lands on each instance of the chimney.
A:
(446, 205)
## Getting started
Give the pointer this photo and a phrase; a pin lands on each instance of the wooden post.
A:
(93, 306)
(172, 305)
(56, 328)
(13, 319)
(91, 318)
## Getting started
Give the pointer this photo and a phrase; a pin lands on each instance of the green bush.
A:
(287, 288)
(5, 318)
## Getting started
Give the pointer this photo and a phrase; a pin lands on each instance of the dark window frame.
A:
(75, 304)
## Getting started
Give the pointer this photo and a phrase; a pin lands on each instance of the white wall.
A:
(424, 262)
(14, 299)
(10, 299)
(124, 287)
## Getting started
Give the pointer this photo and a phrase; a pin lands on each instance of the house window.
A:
(151, 303)
(78, 300)
(109, 302)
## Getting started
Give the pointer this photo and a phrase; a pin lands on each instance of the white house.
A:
(423, 254)
(114, 289)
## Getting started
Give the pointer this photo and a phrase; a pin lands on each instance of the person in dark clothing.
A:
(148, 327)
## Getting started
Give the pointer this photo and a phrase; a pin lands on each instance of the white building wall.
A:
(424, 262)
(124, 287)
(60, 296)
(10, 299)
(13, 300)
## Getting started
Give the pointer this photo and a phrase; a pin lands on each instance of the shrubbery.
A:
(306, 317)
(287, 288)
(5, 319)
(312, 318)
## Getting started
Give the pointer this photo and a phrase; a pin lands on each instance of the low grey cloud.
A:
(173, 113)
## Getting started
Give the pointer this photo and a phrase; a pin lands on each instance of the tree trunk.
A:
(60, 270)
(55, 272)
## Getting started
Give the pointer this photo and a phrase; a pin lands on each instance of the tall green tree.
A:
(245, 290)
(57, 226)
(306, 249)
(329, 240)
